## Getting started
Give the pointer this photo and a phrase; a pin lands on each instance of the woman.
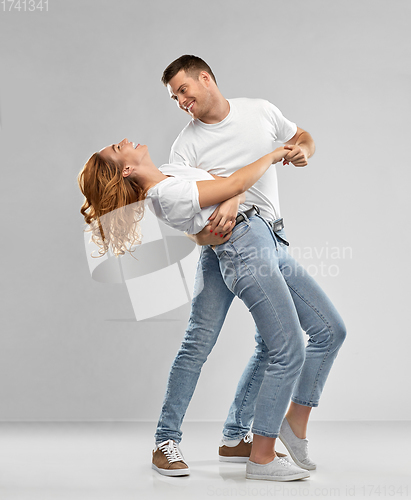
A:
(122, 174)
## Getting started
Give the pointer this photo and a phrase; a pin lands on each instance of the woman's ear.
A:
(126, 171)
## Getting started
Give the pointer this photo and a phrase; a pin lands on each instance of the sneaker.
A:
(297, 448)
(277, 470)
(168, 459)
(240, 452)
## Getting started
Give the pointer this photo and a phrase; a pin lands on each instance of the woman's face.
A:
(125, 153)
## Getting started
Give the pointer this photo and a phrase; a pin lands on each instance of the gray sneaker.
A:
(297, 448)
(277, 470)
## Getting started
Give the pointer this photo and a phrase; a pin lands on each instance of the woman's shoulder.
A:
(185, 172)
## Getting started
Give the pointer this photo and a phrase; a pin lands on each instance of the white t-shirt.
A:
(176, 201)
(248, 132)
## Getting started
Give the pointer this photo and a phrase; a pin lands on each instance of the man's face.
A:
(191, 94)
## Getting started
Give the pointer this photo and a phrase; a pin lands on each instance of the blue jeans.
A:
(283, 299)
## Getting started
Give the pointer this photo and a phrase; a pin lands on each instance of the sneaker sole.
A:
(171, 472)
(290, 451)
(294, 477)
(237, 460)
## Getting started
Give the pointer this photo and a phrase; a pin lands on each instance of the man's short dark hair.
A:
(192, 65)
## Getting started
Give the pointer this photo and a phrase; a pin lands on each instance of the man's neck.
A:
(218, 112)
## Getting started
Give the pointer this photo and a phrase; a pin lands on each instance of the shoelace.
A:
(284, 462)
(171, 451)
(248, 438)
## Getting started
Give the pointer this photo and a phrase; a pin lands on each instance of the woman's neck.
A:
(149, 176)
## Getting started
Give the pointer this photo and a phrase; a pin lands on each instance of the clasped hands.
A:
(222, 220)
(297, 156)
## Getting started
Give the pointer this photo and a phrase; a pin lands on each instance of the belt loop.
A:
(256, 209)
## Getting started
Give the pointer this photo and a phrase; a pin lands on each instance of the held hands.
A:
(280, 153)
(295, 155)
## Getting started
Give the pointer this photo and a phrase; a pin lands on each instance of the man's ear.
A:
(204, 77)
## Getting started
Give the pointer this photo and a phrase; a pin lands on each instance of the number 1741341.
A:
(25, 5)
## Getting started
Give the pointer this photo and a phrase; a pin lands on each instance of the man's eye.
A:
(183, 90)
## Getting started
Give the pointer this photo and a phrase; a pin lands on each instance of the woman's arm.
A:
(212, 192)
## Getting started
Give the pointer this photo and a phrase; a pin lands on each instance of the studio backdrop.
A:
(79, 75)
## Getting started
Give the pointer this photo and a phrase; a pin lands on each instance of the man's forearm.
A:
(306, 142)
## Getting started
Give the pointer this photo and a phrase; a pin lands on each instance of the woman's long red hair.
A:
(113, 205)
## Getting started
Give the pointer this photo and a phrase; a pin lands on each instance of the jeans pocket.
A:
(239, 231)
(228, 271)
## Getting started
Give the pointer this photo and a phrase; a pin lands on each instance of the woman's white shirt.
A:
(176, 200)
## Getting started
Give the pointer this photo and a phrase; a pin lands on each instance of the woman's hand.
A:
(279, 153)
(223, 218)
(297, 156)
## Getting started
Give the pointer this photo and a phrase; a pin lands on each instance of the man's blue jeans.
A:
(283, 300)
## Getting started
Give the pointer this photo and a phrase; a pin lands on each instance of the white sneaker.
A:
(297, 448)
(279, 469)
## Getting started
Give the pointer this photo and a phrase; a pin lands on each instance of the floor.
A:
(90, 461)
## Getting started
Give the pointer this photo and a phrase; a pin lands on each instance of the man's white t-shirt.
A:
(248, 132)
(176, 200)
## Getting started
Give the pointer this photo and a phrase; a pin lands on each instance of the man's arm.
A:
(222, 222)
(303, 147)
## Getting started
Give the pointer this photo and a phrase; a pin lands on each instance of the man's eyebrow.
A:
(173, 95)
(113, 148)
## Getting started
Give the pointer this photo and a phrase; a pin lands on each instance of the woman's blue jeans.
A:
(284, 300)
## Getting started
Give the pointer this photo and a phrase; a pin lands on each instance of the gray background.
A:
(87, 73)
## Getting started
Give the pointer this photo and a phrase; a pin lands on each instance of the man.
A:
(222, 136)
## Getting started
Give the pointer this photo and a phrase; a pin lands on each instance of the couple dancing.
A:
(232, 211)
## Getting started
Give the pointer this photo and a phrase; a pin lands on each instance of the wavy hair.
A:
(111, 207)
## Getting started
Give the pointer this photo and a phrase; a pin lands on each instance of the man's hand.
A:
(223, 217)
(302, 148)
(297, 156)
(207, 237)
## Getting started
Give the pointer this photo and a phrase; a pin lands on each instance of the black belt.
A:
(276, 226)
(248, 213)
